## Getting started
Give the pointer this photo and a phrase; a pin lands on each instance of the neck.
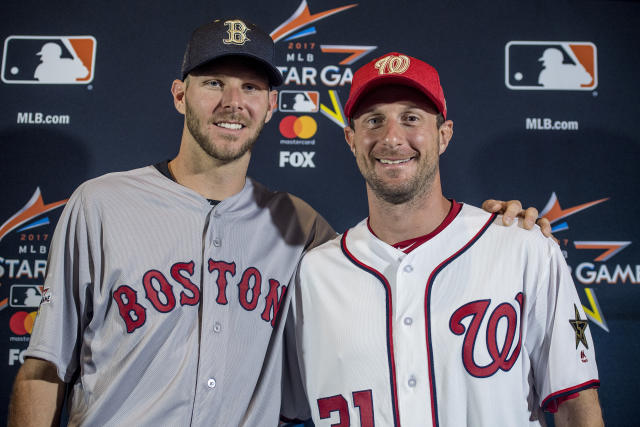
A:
(210, 177)
(417, 217)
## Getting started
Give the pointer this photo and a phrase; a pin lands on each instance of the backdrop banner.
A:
(543, 95)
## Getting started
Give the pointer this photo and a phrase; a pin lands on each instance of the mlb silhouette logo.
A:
(48, 59)
(299, 101)
(556, 65)
(25, 296)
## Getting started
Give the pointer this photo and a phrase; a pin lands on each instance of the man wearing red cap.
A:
(429, 311)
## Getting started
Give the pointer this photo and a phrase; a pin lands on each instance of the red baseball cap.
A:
(396, 68)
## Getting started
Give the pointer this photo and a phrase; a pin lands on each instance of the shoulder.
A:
(116, 179)
(328, 253)
(335, 250)
(513, 237)
(295, 218)
(115, 190)
(117, 184)
(281, 200)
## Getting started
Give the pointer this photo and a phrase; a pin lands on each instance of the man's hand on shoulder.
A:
(512, 209)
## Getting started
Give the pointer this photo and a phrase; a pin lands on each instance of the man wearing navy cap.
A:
(430, 312)
(166, 284)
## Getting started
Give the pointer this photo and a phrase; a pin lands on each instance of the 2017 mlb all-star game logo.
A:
(598, 268)
(24, 245)
(312, 80)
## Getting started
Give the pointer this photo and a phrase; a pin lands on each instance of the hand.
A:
(512, 209)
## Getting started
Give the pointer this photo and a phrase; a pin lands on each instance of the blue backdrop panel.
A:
(570, 149)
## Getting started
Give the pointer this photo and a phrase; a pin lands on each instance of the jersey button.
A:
(412, 381)
(408, 321)
(217, 327)
(217, 242)
(408, 269)
(216, 214)
(211, 383)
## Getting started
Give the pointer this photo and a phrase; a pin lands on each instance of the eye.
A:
(214, 83)
(412, 118)
(373, 121)
(255, 86)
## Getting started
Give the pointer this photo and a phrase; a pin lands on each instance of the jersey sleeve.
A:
(313, 225)
(294, 406)
(563, 359)
(65, 306)
(321, 232)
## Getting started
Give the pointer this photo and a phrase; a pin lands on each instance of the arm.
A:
(37, 395)
(563, 359)
(584, 410)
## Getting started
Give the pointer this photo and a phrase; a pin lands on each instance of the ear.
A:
(446, 133)
(349, 136)
(178, 89)
(273, 104)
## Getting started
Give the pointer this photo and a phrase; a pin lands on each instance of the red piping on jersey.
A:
(554, 404)
(427, 298)
(411, 244)
(390, 354)
(575, 389)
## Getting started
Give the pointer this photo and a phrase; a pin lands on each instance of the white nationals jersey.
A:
(163, 310)
(479, 326)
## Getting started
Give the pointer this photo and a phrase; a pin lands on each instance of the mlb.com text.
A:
(40, 118)
(532, 123)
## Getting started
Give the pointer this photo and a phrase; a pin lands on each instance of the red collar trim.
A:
(407, 246)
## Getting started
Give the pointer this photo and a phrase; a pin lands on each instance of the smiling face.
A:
(397, 143)
(226, 104)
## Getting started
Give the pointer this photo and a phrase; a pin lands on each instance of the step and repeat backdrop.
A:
(543, 95)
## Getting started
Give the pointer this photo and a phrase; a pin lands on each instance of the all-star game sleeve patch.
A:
(579, 326)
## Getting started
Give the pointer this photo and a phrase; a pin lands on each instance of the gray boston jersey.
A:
(163, 310)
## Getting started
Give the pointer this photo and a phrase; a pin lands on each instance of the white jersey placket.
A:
(408, 289)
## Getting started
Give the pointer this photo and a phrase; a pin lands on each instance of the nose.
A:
(392, 133)
(232, 98)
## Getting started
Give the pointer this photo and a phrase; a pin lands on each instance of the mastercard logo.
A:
(21, 323)
(298, 127)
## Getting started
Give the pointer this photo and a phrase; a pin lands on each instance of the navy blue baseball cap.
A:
(231, 37)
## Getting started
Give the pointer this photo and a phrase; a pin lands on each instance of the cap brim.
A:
(389, 79)
(273, 74)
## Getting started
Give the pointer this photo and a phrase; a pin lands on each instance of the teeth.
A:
(393, 162)
(235, 126)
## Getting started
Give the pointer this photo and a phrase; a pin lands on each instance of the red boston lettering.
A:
(176, 273)
(273, 301)
(153, 294)
(244, 286)
(133, 314)
(222, 268)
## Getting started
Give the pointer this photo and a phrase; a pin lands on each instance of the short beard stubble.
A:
(204, 141)
(412, 189)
